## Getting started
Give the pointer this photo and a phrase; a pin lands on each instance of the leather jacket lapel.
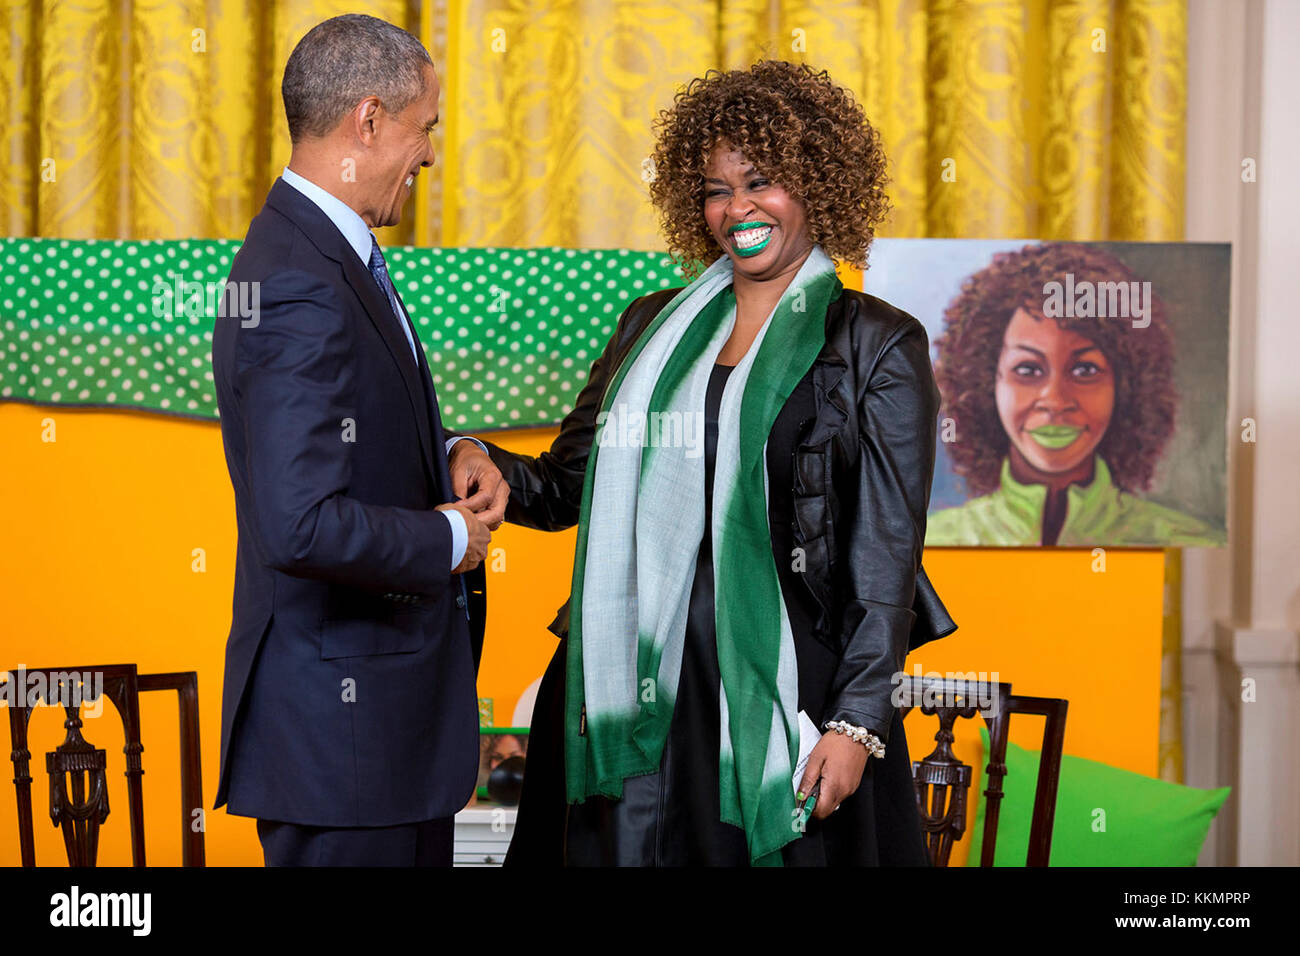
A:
(835, 386)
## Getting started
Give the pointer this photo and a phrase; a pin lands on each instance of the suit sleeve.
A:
(898, 408)
(296, 387)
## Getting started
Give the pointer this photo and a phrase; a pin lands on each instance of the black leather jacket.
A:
(862, 472)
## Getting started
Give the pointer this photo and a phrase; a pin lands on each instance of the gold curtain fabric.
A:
(152, 119)
(1001, 119)
(162, 119)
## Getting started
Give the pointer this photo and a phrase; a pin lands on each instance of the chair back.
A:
(941, 782)
(78, 769)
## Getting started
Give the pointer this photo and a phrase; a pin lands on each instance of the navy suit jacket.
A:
(349, 695)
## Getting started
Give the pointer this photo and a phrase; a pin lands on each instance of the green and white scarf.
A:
(639, 534)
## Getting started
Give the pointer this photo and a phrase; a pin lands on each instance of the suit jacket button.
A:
(460, 600)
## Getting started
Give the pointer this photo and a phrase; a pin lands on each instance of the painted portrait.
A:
(1084, 389)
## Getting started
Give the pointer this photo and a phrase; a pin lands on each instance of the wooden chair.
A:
(941, 781)
(77, 769)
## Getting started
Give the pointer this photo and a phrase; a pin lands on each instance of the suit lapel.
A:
(326, 237)
(381, 315)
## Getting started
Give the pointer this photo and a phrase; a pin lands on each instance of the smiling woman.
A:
(715, 702)
(787, 130)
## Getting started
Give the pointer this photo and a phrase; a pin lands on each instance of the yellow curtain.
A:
(152, 119)
(162, 118)
(1057, 119)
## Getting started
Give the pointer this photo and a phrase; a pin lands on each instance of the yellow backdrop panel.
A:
(101, 563)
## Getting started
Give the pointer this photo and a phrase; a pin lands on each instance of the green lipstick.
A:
(748, 251)
(1055, 436)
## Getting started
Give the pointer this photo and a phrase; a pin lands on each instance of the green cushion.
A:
(1105, 816)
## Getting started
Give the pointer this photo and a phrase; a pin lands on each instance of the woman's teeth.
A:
(749, 238)
(409, 180)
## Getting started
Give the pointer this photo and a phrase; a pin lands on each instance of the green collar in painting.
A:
(1087, 503)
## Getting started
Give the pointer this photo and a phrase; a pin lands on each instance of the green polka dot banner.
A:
(510, 334)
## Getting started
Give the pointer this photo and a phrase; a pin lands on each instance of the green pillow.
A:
(1105, 816)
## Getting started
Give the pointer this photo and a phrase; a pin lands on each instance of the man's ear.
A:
(365, 119)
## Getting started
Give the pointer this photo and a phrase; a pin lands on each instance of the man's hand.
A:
(477, 482)
(476, 545)
(839, 761)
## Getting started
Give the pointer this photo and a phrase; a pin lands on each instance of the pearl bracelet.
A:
(859, 734)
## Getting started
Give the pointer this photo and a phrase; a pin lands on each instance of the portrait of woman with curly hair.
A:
(722, 692)
(1058, 423)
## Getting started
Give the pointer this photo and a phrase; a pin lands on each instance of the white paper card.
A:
(808, 737)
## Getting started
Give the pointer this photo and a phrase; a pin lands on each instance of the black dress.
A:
(672, 817)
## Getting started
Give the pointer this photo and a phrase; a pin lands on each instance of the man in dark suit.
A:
(349, 723)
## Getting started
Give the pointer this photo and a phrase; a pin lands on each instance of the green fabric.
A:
(510, 334)
(640, 525)
(1147, 822)
(1098, 513)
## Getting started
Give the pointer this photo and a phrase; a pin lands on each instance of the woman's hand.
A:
(840, 762)
(477, 483)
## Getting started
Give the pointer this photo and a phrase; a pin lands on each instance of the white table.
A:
(483, 834)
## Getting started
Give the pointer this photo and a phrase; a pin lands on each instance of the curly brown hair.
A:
(798, 129)
(967, 357)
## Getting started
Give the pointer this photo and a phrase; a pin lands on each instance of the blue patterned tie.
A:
(379, 269)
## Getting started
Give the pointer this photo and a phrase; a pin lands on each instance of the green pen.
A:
(809, 804)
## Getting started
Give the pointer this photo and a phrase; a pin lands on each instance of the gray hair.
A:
(343, 60)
